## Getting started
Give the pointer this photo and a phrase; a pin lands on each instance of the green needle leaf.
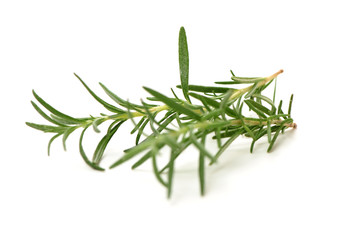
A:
(184, 62)
(202, 166)
(117, 99)
(146, 157)
(46, 128)
(66, 135)
(274, 139)
(207, 89)
(54, 111)
(132, 152)
(247, 79)
(267, 100)
(170, 173)
(257, 108)
(101, 101)
(226, 144)
(290, 104)
(277, 132)
(141, 130)
(138, 125)
(269, 131)
(205, 99)
(103, 144)
(252, 91)
(84, 156)
(51, 141)
(45, 115)
(156, 171)
(201, 147)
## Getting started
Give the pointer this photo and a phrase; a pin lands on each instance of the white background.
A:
(287, 194)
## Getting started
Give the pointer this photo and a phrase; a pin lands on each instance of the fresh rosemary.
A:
(178, 123)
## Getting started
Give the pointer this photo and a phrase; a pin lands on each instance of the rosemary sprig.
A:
(215, 110)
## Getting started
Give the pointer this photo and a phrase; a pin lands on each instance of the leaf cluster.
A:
(219, 111)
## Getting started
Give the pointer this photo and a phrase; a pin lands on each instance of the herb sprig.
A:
(219, 111)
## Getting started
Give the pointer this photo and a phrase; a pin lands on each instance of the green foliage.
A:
(219, 112)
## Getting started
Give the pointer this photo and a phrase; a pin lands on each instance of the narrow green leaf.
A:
(54, 111)
(132, 152)
(151, 117)
(267, 100)
(146, 156)
(237, 107)
(113, 96)
(277, 132)
(207, 100)
(201, 166)
(218, 136)
(99, 151)
(184, 62)
(84, 156)
(51, 141)
(274, 94)
(113, 124)
(170, 173)
(252, 91)
(227, 133)
(141, 130)
(247, 79)
(167, 120)
(274, 139)
(96, 123)
(130, 114)
(66, 122)
(260, 107)
(200, 146)
(269, 130)
(279, 109)
(174, 105)
(142, 160)
(184, 143)
(66, 135)
(277, 116)
(248, 130)
(138, 125)
(290, 104)
(98, 99)
(45, 115)
(226, 144)
(257, 136)
(117, 99)
(267, 85)
(225, 102)
(156, 171)
(46, 128)
(207, 89)
(212, 114)
(257, 108)
(228, 82)
(174, 94)
(170, 141)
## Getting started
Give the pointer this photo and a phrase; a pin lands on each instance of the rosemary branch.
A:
(219, 111)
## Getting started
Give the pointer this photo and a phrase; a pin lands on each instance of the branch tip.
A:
(274, 75)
